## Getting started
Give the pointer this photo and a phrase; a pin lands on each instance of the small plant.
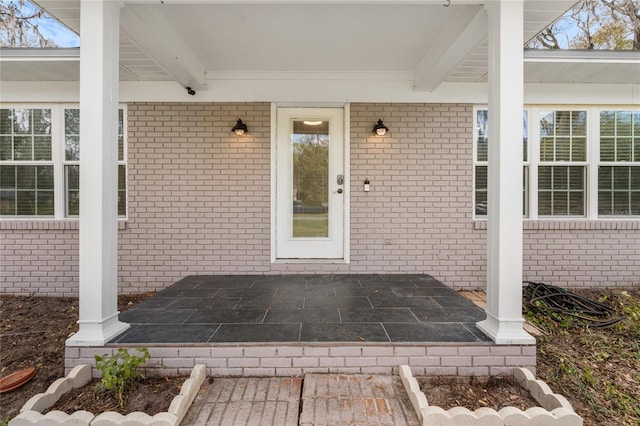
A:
(120, 372)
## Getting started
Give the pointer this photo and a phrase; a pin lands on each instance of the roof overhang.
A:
(198, 42)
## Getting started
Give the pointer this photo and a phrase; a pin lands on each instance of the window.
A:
(619, 168)
(561, 180)
(72, 164)
(482, 158)
(26, 171)
(583, 163)
(40, 162)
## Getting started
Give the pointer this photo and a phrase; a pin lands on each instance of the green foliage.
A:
(5, 421)
(120, 372)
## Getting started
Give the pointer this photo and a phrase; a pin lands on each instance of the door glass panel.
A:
(310, 151)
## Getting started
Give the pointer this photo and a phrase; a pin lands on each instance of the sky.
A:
(52, 29)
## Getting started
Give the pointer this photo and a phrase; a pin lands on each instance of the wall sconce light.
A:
(240, 128)
(380, 129)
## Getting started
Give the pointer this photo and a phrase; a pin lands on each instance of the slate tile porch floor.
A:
(297, 308)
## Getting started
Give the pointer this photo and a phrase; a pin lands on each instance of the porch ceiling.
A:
(193, 42)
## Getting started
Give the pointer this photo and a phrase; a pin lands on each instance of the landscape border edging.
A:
(555, 410)
(31, 412)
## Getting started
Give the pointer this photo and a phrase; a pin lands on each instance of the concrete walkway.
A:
(326, 399)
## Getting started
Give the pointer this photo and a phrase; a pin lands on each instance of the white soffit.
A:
(582, 66)
(366, 40)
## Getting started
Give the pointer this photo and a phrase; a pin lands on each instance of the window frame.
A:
(591, 164)
(616, 163)
(526, 164)
(564, 163)
(59, 161)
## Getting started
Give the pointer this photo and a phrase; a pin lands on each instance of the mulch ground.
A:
(495, 393)
(33, 331)
(598, 370)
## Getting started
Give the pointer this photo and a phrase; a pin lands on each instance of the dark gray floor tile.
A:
(471, 326)
(168, 333)
(410, 284)
(430, 332)
(456, 301)
(225, 284)
(377, 315)
(449, 315)
(337, 302)
(306, 292)
(282, 316)
(343, 332)
(428, 282)
(155, 316)
(368, 291)
(154, 302)
(215, 303)
(271, 302)
(229, 316)
(403, 302)
(400, 277)
(246, 292)
(278, 285)
(257, 333)
(188, 292)
(337, 281)
(424, 291)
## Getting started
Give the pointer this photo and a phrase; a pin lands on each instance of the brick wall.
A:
(199, 204)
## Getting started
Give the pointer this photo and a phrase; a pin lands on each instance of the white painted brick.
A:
(243, 362)
(410, 351)
(345, 351)
(223, 352)
(360, 361)
(444, 351)
(275, 362)
(176, 150)
(178, 362)
(305, 362)
(392, 361)
(379, 351)
(260, 352)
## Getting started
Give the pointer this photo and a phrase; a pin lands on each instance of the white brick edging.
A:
(31, 412)
(554, 410)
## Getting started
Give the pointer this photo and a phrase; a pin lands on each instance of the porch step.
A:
(327, 399)
(246, 401)
(344, 399)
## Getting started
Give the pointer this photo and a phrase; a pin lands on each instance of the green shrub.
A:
(120, 372)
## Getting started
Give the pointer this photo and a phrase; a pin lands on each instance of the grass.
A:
(310, 225)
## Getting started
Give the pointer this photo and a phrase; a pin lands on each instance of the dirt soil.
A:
(33, 331)
(598, 370)
(496, 393)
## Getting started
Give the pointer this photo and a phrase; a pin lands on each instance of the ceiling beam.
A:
(148, 29)
(464, 32)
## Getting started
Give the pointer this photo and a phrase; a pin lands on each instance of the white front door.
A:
(310, 183)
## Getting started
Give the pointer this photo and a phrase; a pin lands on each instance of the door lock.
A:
(340, 180)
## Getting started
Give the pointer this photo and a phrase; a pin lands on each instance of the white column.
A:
(504, 217)
(99, 64)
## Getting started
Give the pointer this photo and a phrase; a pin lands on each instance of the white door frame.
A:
(347, 186)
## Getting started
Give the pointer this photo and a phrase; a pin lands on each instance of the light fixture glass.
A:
(240, 128)
(312, 123)
(380, 129)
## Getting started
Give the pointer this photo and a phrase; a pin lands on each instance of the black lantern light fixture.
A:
(240, 128)
(380, 129)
